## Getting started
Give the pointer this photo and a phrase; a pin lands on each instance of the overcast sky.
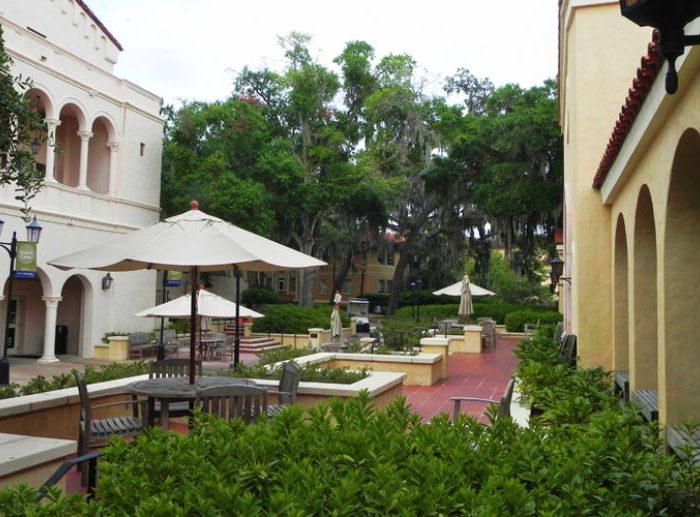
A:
(192, 49)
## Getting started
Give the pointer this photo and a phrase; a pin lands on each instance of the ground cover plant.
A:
(283, 354)
(308, 373)
(107, 372)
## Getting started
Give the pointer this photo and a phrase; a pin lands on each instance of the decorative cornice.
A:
(99, 23)
(637, 94)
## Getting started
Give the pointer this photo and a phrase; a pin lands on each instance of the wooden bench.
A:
(503, 402)
(140, 345)
(680, 440)
(622, 385)
(648, 403)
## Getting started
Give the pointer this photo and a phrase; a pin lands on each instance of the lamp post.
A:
(419, 286)
(33, 234)
(669, 17)
(413, 300)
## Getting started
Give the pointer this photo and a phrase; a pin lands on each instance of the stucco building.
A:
(102, 161)
(632, 219)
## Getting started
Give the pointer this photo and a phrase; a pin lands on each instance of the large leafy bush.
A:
(515, 321)
(292, 319)
(346, 458)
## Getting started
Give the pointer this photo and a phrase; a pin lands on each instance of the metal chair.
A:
(236, 401)
(287, 390)
(503, 403)
(488, 333)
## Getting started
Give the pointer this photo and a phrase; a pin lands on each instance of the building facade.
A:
(102, 162)
(632, 180)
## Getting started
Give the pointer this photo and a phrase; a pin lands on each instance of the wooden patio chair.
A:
(287, 389)
(567, 350)
(503, 402)
(235, 401)
(95, 432)
(169, 368)
(559, 332)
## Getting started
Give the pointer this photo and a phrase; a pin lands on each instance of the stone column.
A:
(113, 150)
(49, 355)
(51, 125)
(85, 137)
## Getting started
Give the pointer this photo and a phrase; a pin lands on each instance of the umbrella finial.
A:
(194, 205)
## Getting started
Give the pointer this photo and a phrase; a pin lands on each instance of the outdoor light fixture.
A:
(556, 273)
(33, 234)
(669, 17)
(36, 146)
(107, 281)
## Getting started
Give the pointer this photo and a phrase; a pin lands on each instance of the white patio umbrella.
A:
(456, 290)
(208, 305)
(465, 299)
(336, 323)
(193, 241)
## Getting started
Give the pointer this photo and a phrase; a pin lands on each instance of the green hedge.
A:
(498, 311)
(259, 296)
(515, 321)
(292, 319)
(107, 372)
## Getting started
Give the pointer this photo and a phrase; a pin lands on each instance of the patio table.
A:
(207, 347)
(176, 389)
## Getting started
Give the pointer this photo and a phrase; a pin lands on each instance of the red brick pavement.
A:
(482, 375)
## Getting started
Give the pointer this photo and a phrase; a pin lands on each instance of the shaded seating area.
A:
(684, 441)
(648, 403)
(140, 345)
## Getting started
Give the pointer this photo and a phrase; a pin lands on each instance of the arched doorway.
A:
(682, 283)
(68, 140)
(621, 305)
(644, 350)
(98, 156)
(41, 103)
(71, 315)
(27, 317)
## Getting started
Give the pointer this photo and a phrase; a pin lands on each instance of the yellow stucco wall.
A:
(652, 273)
(593, 88)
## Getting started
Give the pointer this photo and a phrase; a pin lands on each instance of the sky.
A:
(192, 49)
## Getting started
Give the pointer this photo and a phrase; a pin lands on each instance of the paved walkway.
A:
(482, 375)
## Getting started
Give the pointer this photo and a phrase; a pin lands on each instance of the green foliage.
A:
(348, 458)
(20, 124)
(379, 299)
(308, 373)
(515, 321)
(93, 374)
(254, 296)
(283, 354)
(512, 288)
(291, 319)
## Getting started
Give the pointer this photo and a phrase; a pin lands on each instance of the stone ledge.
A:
(64, 397)
(19, 452)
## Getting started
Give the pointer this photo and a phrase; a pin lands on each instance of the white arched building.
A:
(102, 160)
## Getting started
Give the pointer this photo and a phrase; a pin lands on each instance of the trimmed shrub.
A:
(377, 299)
(515, 321)
(259, 296)
(292, 319)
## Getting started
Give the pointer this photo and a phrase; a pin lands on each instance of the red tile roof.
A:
(99, 23)
(646, 74)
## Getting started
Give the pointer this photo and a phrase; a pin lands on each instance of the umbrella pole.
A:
(193, 321)
(164, 298)
(237, 335)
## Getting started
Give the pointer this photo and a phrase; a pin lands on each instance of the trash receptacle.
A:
(61, 343)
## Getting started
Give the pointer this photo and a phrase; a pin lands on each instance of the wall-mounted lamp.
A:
(556, 273)
(107, 281)
(669, 17)
(36, 146)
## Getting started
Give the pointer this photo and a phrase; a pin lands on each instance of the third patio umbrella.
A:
(456, 290)
(336, 323)
(465, 298)
(193, 241)
(209, 305)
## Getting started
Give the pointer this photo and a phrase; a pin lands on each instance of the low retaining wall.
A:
(54, 414)
(31, 460)
(421, 369)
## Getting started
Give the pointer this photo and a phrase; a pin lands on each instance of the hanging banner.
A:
(174, 278)
(25, 261)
